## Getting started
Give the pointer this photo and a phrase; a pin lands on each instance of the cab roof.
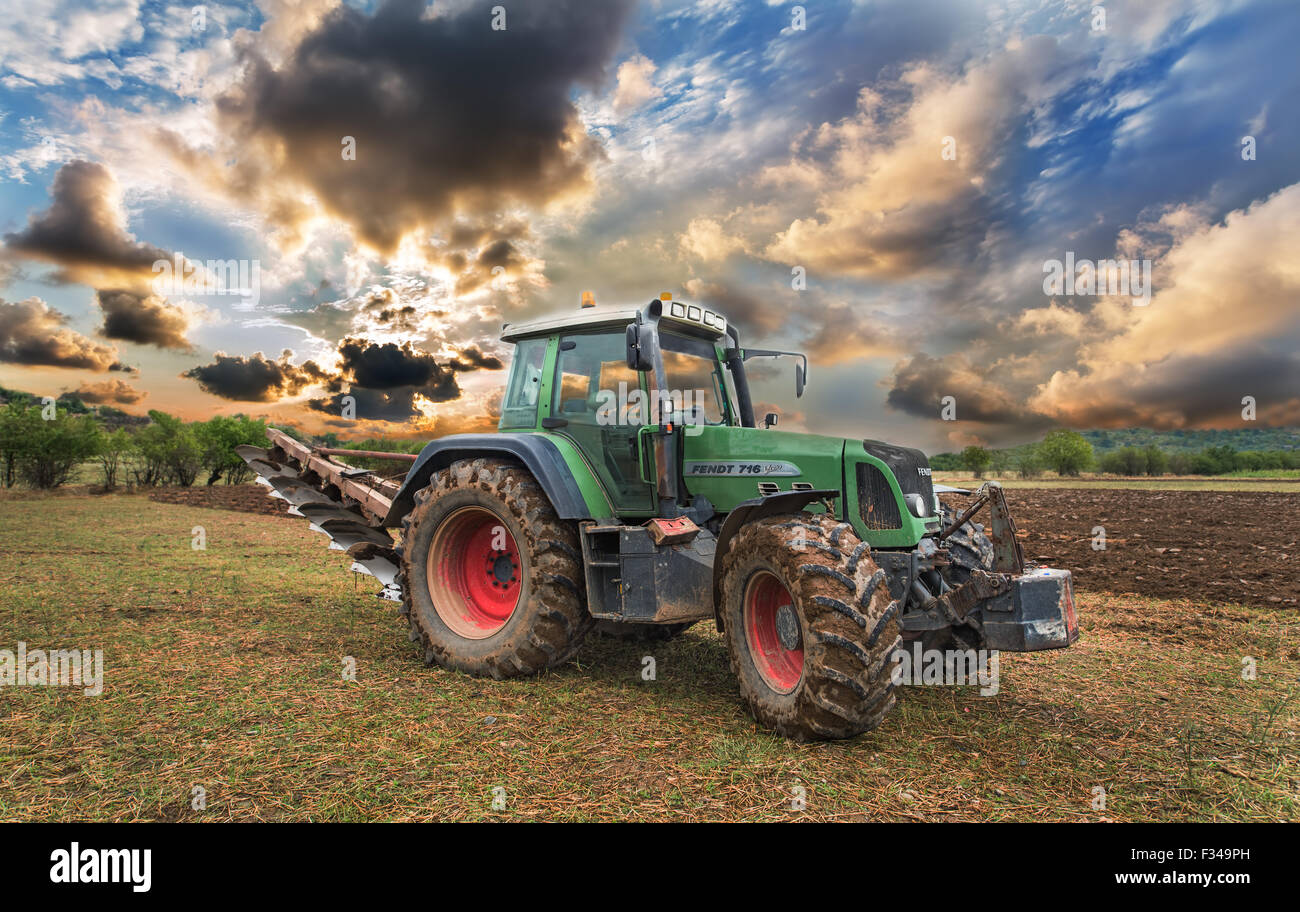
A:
(610, 314)
(694, 319)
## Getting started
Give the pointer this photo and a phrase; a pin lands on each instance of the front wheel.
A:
(810, 627)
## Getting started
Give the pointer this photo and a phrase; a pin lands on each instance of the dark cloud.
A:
(920, 384)
(448, 115)
(472, 359)
(32, 332)
(1185, 391)
(108, 392)
(390, 365)
(256, 378)
(84, 231)
(383, 379)
(142, 318)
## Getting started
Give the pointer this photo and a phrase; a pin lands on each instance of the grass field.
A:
(223, 669)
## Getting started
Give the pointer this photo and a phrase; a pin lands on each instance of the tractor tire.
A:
(641, 633)
(810, 627)
(492, 580)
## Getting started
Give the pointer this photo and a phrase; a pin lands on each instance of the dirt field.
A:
(1217, 546)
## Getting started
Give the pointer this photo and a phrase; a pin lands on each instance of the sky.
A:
(263, 208)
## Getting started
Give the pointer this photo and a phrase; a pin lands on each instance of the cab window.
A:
(519, 408)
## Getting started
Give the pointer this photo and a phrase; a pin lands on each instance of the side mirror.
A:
(637, 358)
(799, 380)
(769, 420)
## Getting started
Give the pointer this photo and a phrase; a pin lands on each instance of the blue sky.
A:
(920, 161)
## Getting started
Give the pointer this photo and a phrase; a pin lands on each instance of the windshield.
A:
(692, 372)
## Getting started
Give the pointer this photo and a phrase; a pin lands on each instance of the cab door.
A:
(602, 405)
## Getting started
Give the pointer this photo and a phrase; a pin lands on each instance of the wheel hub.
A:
(787, 627)
(474, 572)
(773, 632)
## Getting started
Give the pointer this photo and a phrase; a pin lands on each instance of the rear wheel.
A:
(810, 627)
(491, 577)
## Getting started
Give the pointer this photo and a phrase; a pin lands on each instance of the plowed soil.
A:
(245, 498)
(1212, 546)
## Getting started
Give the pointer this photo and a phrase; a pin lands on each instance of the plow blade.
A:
(342, 502)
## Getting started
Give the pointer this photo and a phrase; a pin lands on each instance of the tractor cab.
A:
(646, 395)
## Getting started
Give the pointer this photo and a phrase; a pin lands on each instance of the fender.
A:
(752, 511)
(537, 453)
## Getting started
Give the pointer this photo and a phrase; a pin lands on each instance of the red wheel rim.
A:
(474, 572)
(773, 632)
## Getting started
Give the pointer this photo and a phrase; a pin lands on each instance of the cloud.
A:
(1224, 324)
(144, 319)
(890, 204)
(83, 232)
(387, 381)
(256, 378)
(920, 383)
(449, 116)
(707, 240)
(634, 87)
(106, 392)
(472, 359)
(33, 333)
(47, 42)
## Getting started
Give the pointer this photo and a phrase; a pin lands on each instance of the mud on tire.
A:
(847, 626)
(549, 618)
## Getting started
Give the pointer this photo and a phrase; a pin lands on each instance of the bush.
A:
(170, 451)
(1066, 451)
(1157, 461)
(113, 449)
(1028, 464)
(217, 439)
(45, 452)
(976, 459)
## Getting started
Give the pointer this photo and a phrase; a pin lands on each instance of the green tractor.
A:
(631, 488)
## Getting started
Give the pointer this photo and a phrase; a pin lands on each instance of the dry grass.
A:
(223, 669)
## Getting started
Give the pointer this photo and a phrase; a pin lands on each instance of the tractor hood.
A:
(888, 493)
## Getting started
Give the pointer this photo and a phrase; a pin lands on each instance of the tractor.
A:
(630, 488)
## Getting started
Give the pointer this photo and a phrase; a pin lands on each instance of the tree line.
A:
(45, 445)
(1070, 453)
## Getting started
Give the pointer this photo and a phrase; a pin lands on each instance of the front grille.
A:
(877, 504)
(910, 468)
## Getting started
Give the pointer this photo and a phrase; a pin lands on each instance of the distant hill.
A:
(1239, 439)
(111, 418)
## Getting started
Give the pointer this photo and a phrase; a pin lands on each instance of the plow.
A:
(346, 504)
(631, 489)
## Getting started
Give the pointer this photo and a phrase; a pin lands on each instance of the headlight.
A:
(916, 503)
